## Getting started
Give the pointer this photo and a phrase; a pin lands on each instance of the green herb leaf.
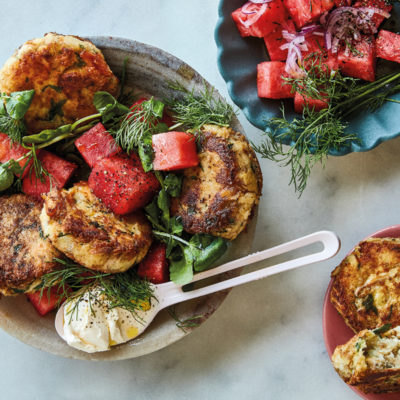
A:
(193, 110)
(6, 178)
(146, 153)
(108, 106)
(206, 249)
(382, 329)
(17, 103)
(56, 109)
(369, 305)
(173, 185)
(181, 266)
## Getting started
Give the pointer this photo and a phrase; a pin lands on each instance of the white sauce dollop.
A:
(93, 326)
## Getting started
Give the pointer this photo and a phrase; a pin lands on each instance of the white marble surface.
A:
(265, 342)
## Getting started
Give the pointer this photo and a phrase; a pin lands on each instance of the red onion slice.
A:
(255, 17)
(245, 8)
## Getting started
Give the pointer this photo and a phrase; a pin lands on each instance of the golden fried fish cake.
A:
(25, 253)
(84, 229)
(370, 361)
(65, 72)
(366, 285)
(219, 195)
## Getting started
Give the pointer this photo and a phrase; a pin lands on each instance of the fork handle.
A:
(172, 293)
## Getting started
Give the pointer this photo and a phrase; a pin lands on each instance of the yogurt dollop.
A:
(91, 325)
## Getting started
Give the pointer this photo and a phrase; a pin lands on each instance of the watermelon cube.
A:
(274, 40)
(12, 150)
(96, 144)
(154, 267)
(174, 150)
(263, 21)
(304, 12)
(316, 46)
(60, 172)
(388, 46)
(121, 183)
(270, 82)
(382, 5)
(359, 62)
(300, 102)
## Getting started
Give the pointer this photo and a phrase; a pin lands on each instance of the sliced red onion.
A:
(309, 28)
(254, 17)
(245, 8)
(348, 23)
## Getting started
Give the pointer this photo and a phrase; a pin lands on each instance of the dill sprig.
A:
(316, 133)
(192, 111)
(185, 324)
(138, 124)
(125, 290)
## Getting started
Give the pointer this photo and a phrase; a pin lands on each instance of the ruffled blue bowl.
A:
(237, 61)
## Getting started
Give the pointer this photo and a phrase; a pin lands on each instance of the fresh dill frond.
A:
(125, 290)
(191, 322)
(14, 128)
(315, 134)
(138, 124)
(193, 110)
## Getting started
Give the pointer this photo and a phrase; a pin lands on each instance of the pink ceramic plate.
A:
(336, 332)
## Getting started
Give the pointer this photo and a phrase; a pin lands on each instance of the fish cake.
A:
(25, 253)
(370, 361)
(366, 285)
(82, 227)
(219, 195)
(65, 72)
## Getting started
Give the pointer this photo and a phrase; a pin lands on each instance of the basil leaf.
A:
(206, 250)
(17, 103)
(6, 178)
(163, 205)
(146, 153)
(157, 107)
(108, 106)
(181, 267)
(173, 185)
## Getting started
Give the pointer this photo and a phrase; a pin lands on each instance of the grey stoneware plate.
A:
(148, 71)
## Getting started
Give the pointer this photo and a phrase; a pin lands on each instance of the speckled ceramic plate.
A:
(237, 61)
(148, 70)
(336, 332)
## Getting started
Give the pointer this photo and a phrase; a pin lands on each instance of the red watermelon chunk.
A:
(274, 41)
(300, 102)
(360, 62)
(60, 171)
(388, 46)
(263, 21)
(12, 150)
(270, 82)
(379, 4)
(96, 144)
(121, 183)
(154, 267)
(304, 12)
(174, 150)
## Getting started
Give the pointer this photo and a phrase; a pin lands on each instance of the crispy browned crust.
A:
(85, 230)
(25, 254)
(366, 285)
(219, 196)
(65, 72)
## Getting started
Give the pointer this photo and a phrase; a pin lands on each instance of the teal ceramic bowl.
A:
(237, 61)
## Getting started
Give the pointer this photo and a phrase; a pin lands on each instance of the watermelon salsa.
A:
(341, 34)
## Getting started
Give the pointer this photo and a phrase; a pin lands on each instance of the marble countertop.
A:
(265, 341)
